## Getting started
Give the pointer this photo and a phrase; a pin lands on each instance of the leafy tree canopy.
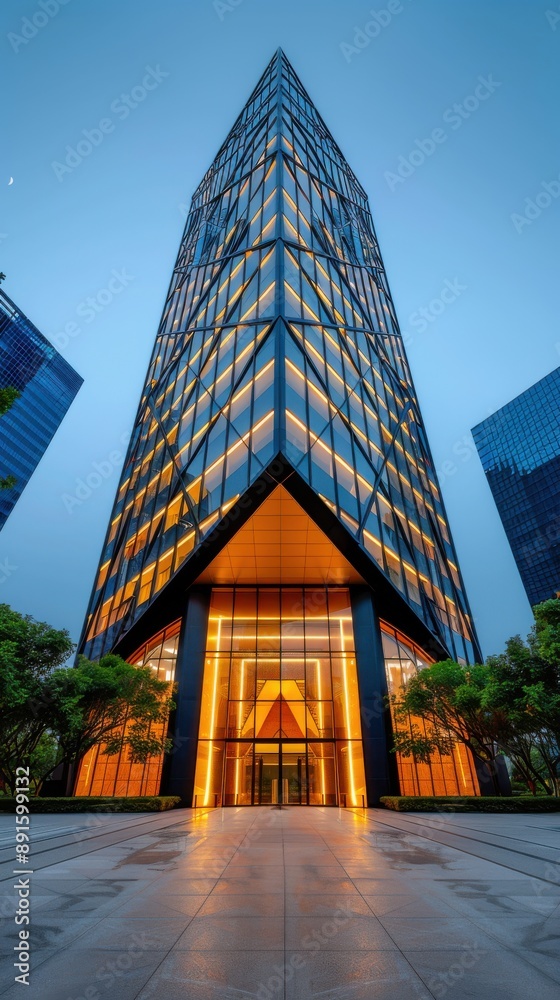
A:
(509, 705)
(109, 702)
(8, 396)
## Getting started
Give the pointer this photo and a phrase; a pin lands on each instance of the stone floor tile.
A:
(68, 974)
(495, 973)
(325, 904)
(243, 905)
(203, 975)
(408, 906)
(351, 975)
(221, 904)
(338, 932)
(233, 934)
(449, 933)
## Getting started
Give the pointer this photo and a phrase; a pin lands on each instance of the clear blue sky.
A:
(123, 207)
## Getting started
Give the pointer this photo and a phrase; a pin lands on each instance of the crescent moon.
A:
(11, 181)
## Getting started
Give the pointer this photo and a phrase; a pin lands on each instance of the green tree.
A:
(508, 706)
(111, 703)
(29, 652)
(525, 684)
(42, 760)
(449, 697)
(8, 396)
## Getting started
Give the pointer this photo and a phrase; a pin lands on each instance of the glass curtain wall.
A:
(280, 717)
(100, 774)
(450, 775)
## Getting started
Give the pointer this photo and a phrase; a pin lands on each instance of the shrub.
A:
(471, 803)
(101, 803)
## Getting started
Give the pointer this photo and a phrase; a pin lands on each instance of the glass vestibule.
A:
(280, 717)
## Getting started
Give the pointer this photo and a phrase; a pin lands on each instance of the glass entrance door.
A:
(267, 771)
(294, 774)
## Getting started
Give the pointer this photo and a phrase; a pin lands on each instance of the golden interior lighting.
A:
(213, 715)
(454, 774)
(348, 716)
(278, 346)
(266, 711)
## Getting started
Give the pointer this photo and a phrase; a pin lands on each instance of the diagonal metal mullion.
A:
(383, 358)
(234, 388)
(337, 410)
(223, 261)
(214, 341)
(390, 445)
(123, 622)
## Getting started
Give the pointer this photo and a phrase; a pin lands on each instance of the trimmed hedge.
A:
(94, 803)
(471, 803)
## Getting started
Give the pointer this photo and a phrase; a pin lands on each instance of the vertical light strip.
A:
(237, 766)
(213, 715)
(347, 713)
(461, 768)
(240, 722)
(321, 725)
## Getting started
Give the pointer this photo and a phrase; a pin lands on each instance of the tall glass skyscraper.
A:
(519, 447)
(47, 385)
(278, 543)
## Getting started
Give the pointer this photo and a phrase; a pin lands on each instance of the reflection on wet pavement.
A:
(282, 904)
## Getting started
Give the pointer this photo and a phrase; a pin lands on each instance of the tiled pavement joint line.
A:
(387, 931)
(77, 844)
(96, 923)
(476, 928)
(246, 832)
(122, 834)
(290, 838)
(67, 946)
(316, 828)
(501, 944)
(481, 857)
(364, 817)
(461, 826)
(114, 912)
(454, 831)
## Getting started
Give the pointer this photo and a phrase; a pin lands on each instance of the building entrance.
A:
(280, 720)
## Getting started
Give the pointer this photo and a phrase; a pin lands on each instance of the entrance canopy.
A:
(280, 544)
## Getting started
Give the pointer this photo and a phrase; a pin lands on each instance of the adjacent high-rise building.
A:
(47, 385)
(278, 545)
(519, 447)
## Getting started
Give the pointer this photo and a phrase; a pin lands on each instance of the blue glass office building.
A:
(519, 447)
(278, 545)
(47, 386)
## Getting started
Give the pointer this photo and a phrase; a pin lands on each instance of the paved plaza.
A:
(272, 903)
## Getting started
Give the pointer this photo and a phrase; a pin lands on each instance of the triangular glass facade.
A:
(279, 335)
(279, 361)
